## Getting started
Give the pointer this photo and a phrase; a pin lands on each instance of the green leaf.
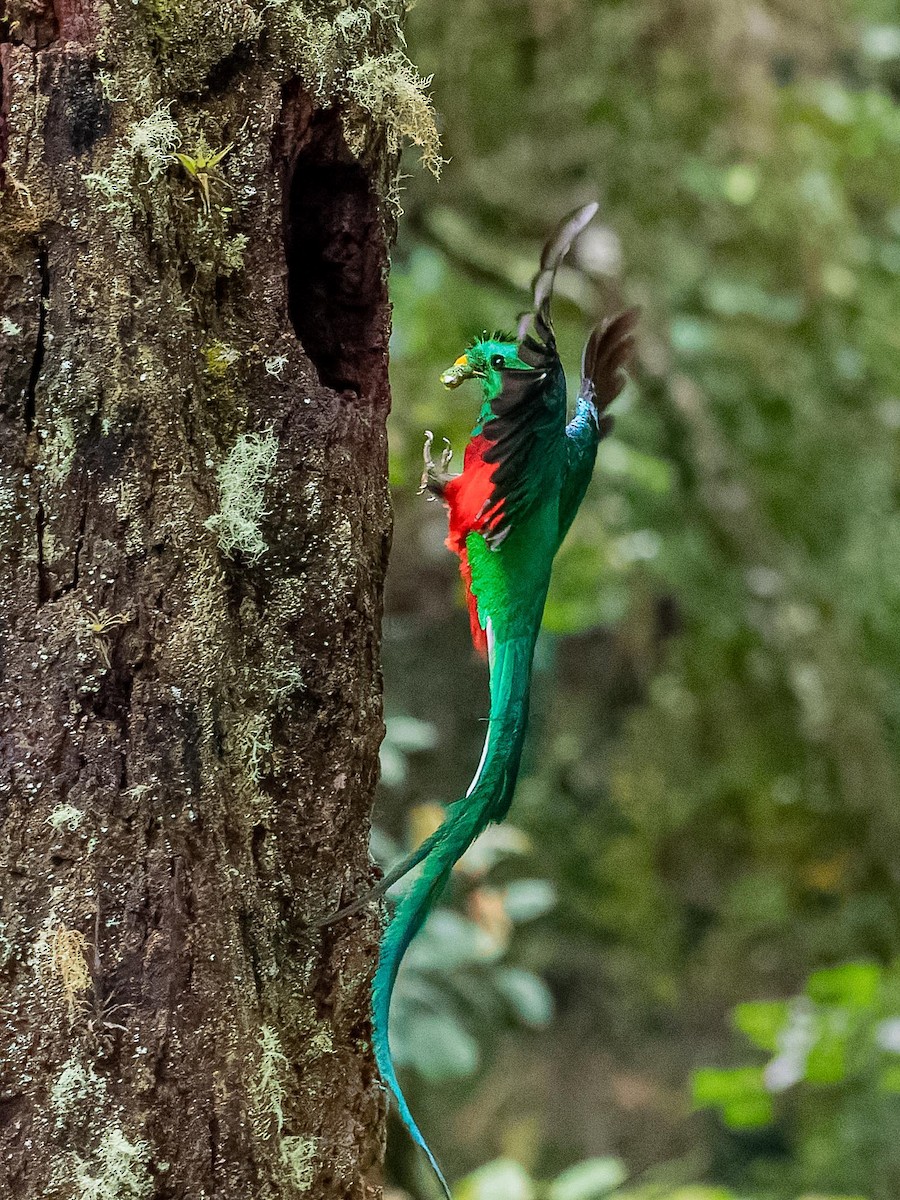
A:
(502, 1179)
(448, 941)
(749, 1112)
(438, 1046)
(714, 1087)
(584, 1181)
(525, 899)
(852, 984)
(827, 1061)
(694, 1191)
(762, 1021)
(527, 994)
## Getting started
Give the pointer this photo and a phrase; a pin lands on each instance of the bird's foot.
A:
(435, 477)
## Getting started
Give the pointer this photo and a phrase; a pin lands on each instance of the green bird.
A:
(525, 473)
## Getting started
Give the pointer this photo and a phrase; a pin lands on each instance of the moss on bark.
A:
(209, 709)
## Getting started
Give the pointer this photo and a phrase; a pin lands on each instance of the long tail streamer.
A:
(487, 800)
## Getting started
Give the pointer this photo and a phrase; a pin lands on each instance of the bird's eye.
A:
(498, 362)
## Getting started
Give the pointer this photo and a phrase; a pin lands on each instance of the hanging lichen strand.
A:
(193, 533)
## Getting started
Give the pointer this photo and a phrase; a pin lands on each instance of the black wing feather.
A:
(609, 349)
(554, 252)
(527, 411)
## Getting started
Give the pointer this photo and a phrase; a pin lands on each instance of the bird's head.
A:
(484, 360)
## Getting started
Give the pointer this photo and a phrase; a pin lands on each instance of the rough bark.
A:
(193, 532)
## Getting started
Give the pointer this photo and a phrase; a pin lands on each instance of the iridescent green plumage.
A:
(525, 474)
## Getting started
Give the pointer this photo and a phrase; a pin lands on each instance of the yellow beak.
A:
(459, 372)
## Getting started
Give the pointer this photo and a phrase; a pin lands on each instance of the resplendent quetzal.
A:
(524, 476)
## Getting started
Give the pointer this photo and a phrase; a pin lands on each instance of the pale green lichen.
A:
(254, 738)
(154, 140)
(75, 1087)
(336, 59)
(390, 89)
(109, 87)
(267, 1089)
(298, 1155)
(242, 479)
(207, 244)
(286, 679)
(220, 358)
(118, 1171)
(231, 254)
(9, 328)
(139, 790)
(67, 816)
(192, 38)
(118, 1168)
(59, 450)
(149, 144)
(276, 364)
(322, 1043)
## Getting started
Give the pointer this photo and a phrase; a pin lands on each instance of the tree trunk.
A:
(194, 524)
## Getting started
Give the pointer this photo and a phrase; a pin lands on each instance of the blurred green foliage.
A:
(506, 1179)
(594, 1179)
(832, 1077)
(711, 784)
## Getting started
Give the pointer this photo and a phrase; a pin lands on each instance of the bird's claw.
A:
(435, 477)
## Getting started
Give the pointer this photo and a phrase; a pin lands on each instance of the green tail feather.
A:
(487, 800)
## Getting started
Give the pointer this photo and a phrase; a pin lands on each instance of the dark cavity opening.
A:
(335, 260)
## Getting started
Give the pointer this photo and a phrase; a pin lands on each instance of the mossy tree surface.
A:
(193, 530)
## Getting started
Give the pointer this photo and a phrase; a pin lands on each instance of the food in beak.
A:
(456, 374)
